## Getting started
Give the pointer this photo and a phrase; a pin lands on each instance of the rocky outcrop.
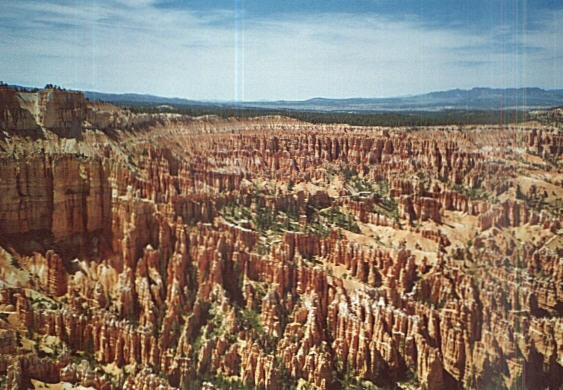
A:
(548, 142)
(14, 116)
(415, 208)
(25, 113)
(61, 199)
(60, 111)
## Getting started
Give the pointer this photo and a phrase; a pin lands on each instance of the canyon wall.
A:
(173, 252)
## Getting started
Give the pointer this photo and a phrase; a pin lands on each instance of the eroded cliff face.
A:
(65, 114)
(172, 252)
(27, 113)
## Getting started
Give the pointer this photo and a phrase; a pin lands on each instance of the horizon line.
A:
(236, 102)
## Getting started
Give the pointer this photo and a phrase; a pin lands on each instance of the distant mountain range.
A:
(455, 99)
(140, 98)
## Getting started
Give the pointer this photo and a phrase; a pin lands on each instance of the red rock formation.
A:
(57, 276)
(166, 290)
(419, 208)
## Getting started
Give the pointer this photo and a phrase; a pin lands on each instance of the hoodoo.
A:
(160, 251)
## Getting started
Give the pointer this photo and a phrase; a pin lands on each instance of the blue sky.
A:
(292, 49)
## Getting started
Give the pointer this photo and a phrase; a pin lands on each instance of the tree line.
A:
(403, 118)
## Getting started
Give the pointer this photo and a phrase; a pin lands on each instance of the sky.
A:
(245, 50)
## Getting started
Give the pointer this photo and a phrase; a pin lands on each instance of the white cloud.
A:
(130, 46)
